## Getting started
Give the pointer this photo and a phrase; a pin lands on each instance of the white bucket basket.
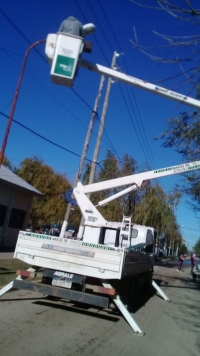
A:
(65, 59)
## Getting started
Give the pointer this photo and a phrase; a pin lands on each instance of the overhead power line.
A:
(47, 91)
(50, 141)
(94, 35)
(21, 33)
(28, 41)
(145, 140)
(44, 138)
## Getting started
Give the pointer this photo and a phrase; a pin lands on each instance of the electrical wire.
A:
(116, 39)
(53, 143)
(145, 141)
(46, 61)
(21, 33)
(112, 51)
(39, 82)
(45, 138)
(133, 124)
(110, 143)
(94, 35)
(47, 91)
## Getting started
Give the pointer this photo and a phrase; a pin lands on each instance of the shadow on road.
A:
(165, 263)
(140, 300)
(82, 309)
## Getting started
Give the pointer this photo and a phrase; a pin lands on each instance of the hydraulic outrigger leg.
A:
(116, 299)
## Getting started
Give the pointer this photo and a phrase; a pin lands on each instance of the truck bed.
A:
(69, 255)
(79, 257)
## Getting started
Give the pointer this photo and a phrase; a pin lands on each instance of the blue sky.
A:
(60, 114)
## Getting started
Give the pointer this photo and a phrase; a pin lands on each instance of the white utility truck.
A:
(108, 250)
(112, 259)
(110, 262)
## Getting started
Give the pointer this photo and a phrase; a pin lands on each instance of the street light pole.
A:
(15, 100)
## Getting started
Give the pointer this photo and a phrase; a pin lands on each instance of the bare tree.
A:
(189, 44)
(183, 132)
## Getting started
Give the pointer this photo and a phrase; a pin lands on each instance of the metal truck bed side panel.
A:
(69, 255)
(137, 262)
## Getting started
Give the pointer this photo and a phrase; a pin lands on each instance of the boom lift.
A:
(64, 52)
(113, 258)
(110, 260)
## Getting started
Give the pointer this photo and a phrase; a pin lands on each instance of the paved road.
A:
(30, 324)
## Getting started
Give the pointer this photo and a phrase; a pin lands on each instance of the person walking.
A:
(181, 260)
(193, 261)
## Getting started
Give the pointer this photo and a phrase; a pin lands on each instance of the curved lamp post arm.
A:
(15, 99)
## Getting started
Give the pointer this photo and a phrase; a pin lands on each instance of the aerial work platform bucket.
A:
(64, 51)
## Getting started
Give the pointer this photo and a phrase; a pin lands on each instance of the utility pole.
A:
(85, 148)
(98, 143)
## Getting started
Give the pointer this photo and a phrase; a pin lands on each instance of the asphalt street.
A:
(33, 325)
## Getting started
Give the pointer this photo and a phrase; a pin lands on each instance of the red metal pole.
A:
(15, 100)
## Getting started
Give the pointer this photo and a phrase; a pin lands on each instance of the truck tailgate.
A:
(69, 255)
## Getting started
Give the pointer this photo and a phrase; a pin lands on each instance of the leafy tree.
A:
(110, 169)
(197, 247)
(128, 167)
(75, 218)
(183, 133)
(155, 209)
(86, 173)
(6, 163)
(52, 206)
(172, 235)
(183, 249)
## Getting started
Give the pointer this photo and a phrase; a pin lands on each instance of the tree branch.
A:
(170, 8)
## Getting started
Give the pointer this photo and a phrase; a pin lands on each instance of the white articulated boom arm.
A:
(90, 211)
(139, 83)
(140, 177)
(71, 47)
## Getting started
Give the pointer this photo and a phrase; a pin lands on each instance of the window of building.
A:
(17, 218)
(3, 210)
